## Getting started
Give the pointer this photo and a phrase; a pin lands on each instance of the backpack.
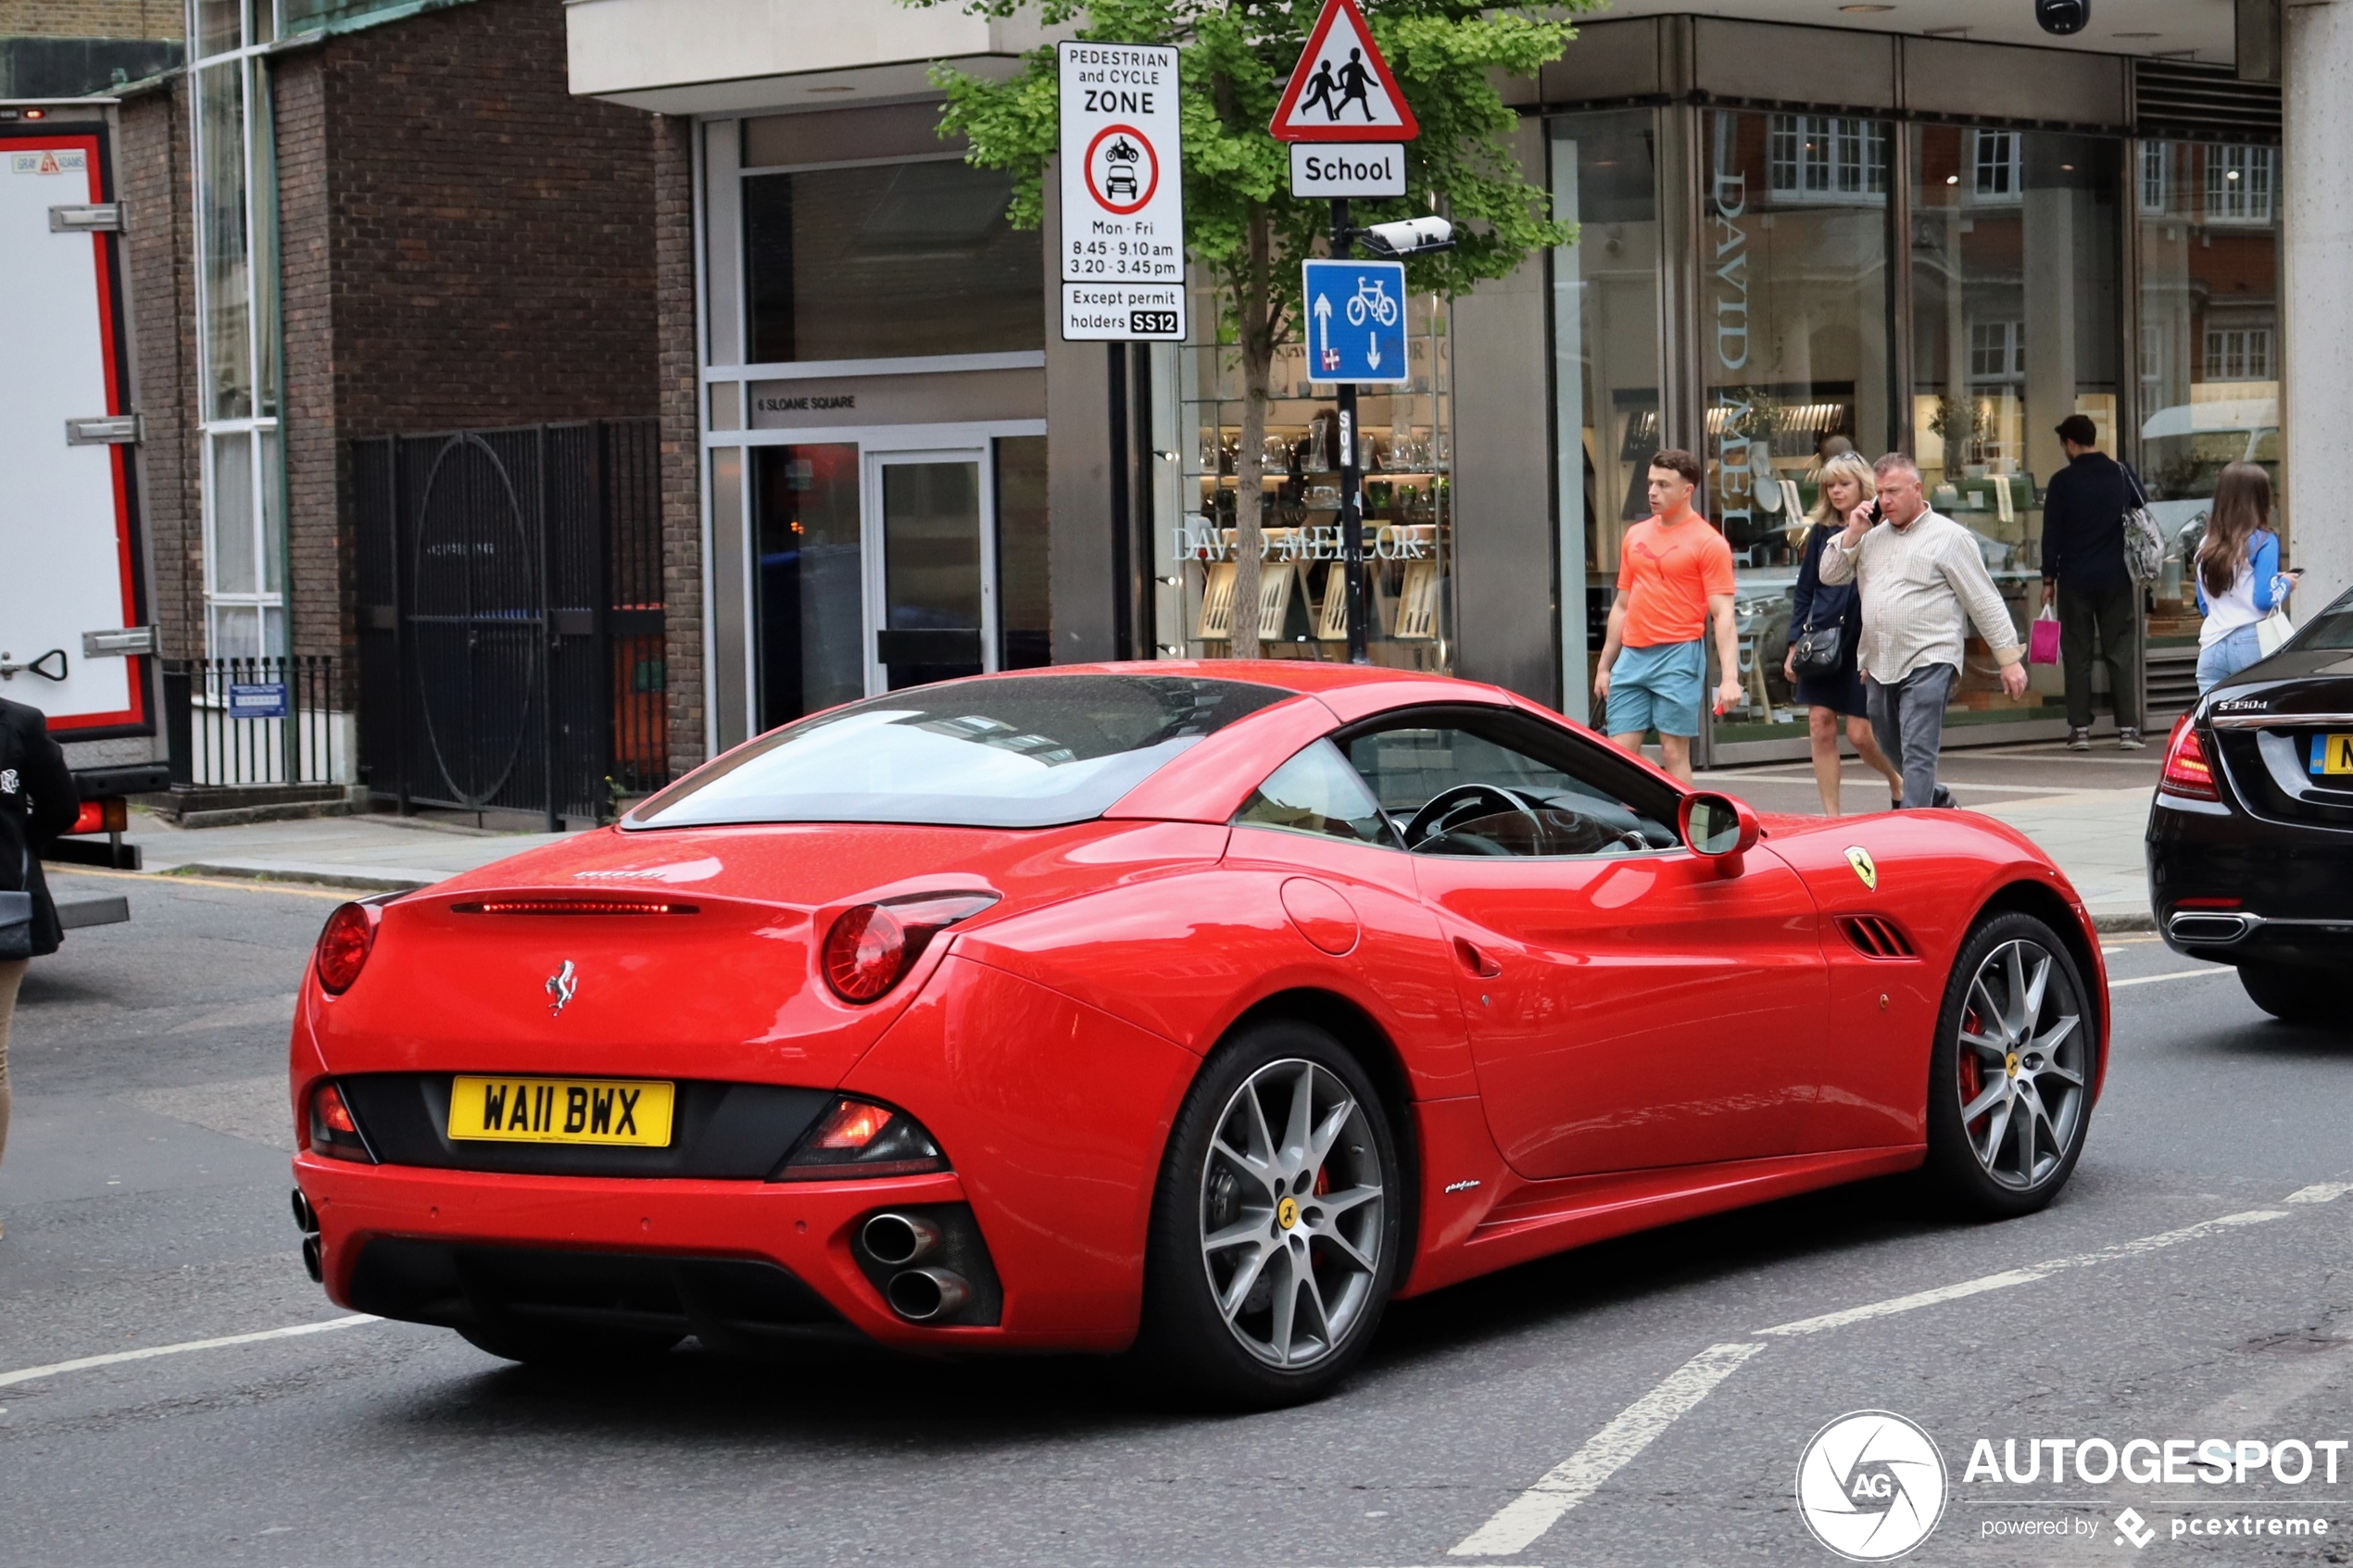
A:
(2144, 546)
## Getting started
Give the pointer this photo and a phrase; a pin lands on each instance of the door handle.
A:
(1479, 963)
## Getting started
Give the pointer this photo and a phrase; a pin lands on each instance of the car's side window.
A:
(1465, 783)
(1318, 792)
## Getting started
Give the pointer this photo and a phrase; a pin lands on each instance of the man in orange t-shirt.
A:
(1674, 577)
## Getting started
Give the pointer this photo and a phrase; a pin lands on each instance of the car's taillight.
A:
(104, 814)
(333, 1132)
(344, 946)
(858, 1138)
(2187, 772)
(871, 947)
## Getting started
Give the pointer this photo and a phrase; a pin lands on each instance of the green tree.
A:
(1241, 224)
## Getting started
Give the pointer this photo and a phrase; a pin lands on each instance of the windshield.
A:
(1033, 751)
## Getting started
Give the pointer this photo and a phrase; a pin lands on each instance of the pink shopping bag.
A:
(2043, 639)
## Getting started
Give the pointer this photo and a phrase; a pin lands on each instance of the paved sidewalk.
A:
(371, 853)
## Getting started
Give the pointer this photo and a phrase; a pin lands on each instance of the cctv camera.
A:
(1409, 237)
(2062, 17)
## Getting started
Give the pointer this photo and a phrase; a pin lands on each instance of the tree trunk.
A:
(1256, 315)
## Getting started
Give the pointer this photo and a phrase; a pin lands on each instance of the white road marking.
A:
(2026, 1275)
(85, 1364)
(2169, 974)
(2321, 1192)
(1517, 1524)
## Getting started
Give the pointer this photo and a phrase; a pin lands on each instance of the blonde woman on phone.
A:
(1846, 487)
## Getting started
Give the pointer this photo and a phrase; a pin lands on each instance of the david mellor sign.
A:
(1326, 170)
(1122, 193)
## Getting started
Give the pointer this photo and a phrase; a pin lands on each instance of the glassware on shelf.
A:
(1274, 451)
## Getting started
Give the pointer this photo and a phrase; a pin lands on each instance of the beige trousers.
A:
(11, 975)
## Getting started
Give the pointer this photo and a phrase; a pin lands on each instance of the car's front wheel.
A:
(1278, 1224)
(2292, 996)
(2010, 1077)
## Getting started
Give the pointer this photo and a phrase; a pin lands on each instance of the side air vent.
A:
(2174, 98)
(1876, 938)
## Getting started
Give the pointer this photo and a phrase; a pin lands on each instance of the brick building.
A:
(381, 222)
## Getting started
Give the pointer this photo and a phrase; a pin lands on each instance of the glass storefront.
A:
(1792, 345)
(1403, 444)
(2210, 344)
(1606, 354)
(2015, 256)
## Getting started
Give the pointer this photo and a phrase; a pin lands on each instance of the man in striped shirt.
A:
(1923, 581)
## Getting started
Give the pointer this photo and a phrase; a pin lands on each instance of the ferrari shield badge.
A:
(1860, 859)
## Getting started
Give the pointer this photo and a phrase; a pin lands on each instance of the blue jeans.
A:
(2217, 662)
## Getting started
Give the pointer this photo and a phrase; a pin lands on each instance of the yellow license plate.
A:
(632, 1111)
(2333, 754)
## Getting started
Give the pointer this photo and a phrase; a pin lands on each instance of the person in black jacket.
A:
(37, 802)
(1846, 485)
(2083, 569)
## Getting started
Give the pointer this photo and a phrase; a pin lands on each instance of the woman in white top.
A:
(2239, 581)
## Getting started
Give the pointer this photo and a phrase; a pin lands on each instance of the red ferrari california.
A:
(1199, 1009)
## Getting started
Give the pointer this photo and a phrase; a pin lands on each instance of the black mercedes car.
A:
(2250, 840)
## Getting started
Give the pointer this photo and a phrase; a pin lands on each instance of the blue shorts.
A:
(1656, 688)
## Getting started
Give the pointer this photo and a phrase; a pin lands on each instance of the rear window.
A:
(2332, 630)
(1028, 752)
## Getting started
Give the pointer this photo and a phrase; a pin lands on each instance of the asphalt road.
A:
(144, 1199)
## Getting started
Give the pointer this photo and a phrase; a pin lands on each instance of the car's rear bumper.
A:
(2235, 888)
(747, 1260)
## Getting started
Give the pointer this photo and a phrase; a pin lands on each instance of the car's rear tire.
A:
(568, 1347)
(2010, 1076)
(1276, 1226)
(2292, 996)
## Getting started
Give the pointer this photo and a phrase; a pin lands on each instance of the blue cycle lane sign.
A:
(1356, 320)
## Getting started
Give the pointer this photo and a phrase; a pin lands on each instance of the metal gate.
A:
(510, 618)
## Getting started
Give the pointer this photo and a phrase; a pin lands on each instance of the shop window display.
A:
(1405, 448)
(1793, 301)
(2210, 357)
(1604, 178)
(2015, 251)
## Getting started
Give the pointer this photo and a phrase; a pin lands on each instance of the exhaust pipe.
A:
(922, 1295)
(314, 1261)
(305, 1221)
(895, 1239)
(2208, 929)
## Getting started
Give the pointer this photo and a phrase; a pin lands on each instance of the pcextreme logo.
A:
(1871, 1485)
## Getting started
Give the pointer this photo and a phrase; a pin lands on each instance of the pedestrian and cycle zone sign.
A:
(1355, 321)
(1122, 193)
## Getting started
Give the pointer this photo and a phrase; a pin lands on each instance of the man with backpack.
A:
(2084, 571)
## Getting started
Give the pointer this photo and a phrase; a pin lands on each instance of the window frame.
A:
(1607, 766)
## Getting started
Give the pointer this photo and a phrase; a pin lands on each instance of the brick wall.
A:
(681, 438)
(92, 19)
(151, 176)
(319, 540)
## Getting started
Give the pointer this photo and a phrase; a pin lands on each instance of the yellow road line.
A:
(257, 885)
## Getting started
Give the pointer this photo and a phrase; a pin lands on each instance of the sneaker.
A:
(2080, 740)
(2128, 740)
(1944, 800)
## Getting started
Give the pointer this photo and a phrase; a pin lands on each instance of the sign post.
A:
(1122, 193)
(1344, 105)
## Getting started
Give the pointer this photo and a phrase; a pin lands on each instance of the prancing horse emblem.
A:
(1859, 858)
(561, 986)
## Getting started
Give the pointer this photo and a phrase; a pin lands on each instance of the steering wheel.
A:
(1448, 807)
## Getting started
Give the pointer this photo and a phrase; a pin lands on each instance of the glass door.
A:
(930, 568)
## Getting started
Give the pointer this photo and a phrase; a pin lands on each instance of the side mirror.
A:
(1719, 826)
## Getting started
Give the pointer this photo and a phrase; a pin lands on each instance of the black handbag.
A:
(1819, 650)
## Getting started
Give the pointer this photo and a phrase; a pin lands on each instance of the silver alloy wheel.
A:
(2022, 1064)
(1291, 1212)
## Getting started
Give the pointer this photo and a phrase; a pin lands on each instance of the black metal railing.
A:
(264, 721)
(512, 618)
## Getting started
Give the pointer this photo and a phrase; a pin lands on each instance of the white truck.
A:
(75, 638)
